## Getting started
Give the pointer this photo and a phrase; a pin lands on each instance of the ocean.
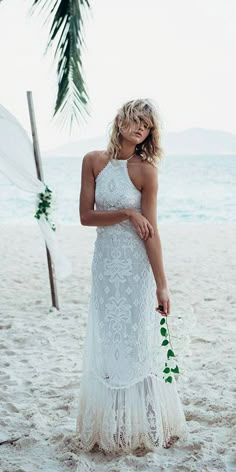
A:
(192, 189)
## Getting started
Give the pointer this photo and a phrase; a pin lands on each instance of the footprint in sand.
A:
(11, 407)
(5, 325)
(10, 353)
(4, 377)
(3, 346)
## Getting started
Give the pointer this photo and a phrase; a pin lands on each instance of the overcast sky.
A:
(180, 53)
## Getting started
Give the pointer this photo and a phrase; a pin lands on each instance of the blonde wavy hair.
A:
(140, 110)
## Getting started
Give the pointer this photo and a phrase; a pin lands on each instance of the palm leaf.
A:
(66, 34)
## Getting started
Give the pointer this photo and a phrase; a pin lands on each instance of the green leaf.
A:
(163, 320)
(169, 379)
(175, 370)
(166, 370)
(163, 331)
(170, 353)
(165, 342)
(66, 21)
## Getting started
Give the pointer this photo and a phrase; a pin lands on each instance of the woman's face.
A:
(135, 133)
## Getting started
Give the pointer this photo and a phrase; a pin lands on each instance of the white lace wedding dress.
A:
(124, 402)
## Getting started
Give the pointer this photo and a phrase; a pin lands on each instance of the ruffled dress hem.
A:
(148, 415)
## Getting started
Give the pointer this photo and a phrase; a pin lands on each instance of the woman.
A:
(124, 404)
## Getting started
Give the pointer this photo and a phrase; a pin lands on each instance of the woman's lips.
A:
(138, 134)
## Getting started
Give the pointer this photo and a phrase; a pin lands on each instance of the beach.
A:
(41, 350)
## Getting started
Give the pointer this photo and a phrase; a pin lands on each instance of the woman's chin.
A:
(133, 140)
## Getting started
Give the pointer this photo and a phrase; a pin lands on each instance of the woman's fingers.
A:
(149, 230)
(143, 226)
(140, 232)
(164, 307)
(145, 230)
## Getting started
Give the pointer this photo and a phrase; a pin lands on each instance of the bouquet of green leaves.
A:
(170, 367)
(45, 205)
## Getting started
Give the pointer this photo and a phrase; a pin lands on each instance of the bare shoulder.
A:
(92, 155)
(95, 160)
(149, 175)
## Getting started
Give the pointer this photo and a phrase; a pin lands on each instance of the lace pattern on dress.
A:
(123, 401)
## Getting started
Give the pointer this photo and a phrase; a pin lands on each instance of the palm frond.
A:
(66, 34)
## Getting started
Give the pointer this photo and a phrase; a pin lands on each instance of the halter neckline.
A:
(125, 160)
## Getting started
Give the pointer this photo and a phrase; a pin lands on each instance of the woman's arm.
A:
(89, 216)
(149, 210)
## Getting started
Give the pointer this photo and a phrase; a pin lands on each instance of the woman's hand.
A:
(142, 225)
(163, 299)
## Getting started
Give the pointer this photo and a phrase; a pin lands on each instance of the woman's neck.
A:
(127, 149)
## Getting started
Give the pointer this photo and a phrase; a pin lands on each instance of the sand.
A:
(41, 351)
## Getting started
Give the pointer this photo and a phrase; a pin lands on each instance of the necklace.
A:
(128, 157)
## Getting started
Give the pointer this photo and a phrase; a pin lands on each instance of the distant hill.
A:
(78, 148)
(189, 141)
(200, 141)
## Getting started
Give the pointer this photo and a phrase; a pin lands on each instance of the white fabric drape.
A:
(17, 163)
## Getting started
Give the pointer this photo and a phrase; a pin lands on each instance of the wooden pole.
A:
(39, 169)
